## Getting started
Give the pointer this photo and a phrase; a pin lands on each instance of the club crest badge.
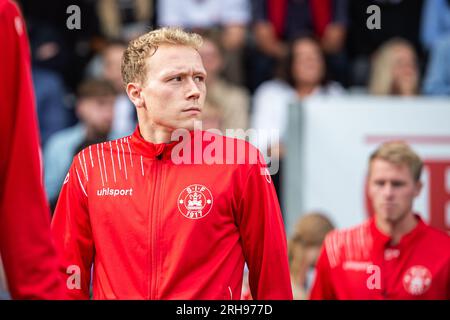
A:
(417, 280)
(195, 201)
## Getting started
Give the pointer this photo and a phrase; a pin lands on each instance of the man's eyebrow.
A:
(182, 71)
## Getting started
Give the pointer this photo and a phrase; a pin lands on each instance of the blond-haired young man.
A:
(394, 255)
(154, 224)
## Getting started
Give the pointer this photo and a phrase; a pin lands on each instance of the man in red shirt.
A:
(394, 255)
(29, 258)
(157, 213)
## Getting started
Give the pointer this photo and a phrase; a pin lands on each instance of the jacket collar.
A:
(161, 151)
(384, 240)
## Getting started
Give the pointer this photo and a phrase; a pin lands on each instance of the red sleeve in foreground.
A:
(27, 251)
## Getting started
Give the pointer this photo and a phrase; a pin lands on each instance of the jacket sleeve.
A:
(72, 233)
(28, 254)
(322, 288)
(263, 237)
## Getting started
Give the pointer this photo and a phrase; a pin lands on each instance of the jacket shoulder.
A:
(234, 150)
(435, 235)
(351, 244)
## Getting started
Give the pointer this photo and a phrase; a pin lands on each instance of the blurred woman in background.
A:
(395, 70)
(304, 248)
(302, 75)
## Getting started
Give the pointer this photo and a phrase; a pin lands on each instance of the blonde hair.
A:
(134, 67)
(399, 153)
(381, 77)
(309, 231)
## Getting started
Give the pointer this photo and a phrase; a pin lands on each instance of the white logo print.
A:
(19, 25)
(114, 192)
(417, 280)
(66, 179)
(267, 175)
(195, 201)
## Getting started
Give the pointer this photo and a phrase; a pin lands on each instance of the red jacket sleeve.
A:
(263, 237)
(322, 288)
(71, 229)
(28, 254)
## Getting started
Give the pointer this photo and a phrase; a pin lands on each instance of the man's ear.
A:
(134, 91)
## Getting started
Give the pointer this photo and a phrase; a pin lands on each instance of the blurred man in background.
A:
(29, 258)
(95, 110)
(394, 255)
(124, 113)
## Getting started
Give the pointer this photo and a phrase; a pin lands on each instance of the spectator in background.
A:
(437, 77)
(393, 255)
(435, 22)
(229, 18)
(53, 113)
(276, 23)
(95, 110)
(125, 19)
(308, 71)
(395, 70)
(107, 65)
(226, 105)
(304, 248)
(51, 59)
(306, 76)
(54, 46)
(399, 18)
(124, 114)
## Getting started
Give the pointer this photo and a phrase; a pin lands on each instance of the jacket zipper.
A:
(154, 231)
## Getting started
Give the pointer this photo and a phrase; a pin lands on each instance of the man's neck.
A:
(155, 134)
(396, 230)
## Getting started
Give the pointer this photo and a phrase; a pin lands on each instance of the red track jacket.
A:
(359, 263)
(157, 229)
(28, 255)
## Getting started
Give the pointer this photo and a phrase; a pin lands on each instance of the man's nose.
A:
(193, 90)
(388, 190)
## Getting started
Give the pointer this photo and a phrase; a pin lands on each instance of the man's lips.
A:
(192, 109)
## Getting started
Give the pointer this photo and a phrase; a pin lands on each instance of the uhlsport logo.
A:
(114, 192)
(195, 201)
(417, 280)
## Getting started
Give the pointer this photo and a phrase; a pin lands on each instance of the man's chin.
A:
(191, 124)
(391, 216)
